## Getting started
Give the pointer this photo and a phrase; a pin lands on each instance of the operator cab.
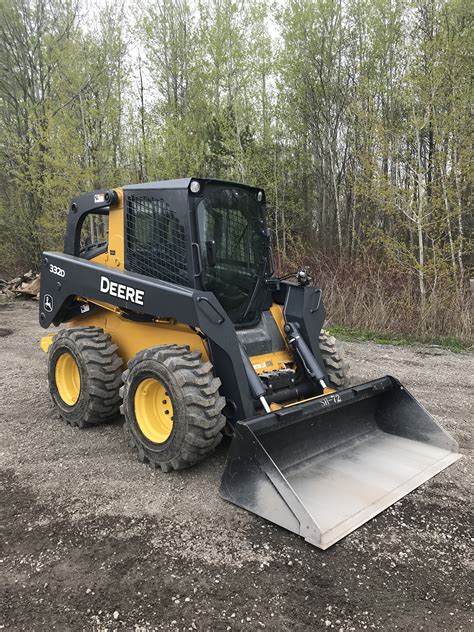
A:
(202, 233)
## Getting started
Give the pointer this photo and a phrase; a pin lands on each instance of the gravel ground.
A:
(93, 540)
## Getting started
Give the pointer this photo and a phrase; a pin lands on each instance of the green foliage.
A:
(354, 116)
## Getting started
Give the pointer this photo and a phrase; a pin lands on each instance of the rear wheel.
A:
(84, 373)
(172, 407)
(336, 367)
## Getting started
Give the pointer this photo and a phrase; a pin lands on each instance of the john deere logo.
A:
(48, 302)
(122, 291)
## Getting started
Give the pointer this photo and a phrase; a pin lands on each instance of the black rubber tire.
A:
(197, 406)
(337, 368)
(100, 368)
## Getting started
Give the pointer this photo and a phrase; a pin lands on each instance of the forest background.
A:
(354, 115)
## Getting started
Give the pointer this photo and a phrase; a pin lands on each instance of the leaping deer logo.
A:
(48, 302)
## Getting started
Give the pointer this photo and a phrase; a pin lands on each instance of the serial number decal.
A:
(331, 399)
(56, 270)
(122, 291)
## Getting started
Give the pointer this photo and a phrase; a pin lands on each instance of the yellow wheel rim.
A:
(153, 410)
(68, 379)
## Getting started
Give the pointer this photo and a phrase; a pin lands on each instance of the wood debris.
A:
(27, 285)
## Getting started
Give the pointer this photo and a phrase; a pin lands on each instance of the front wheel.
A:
(172, 407)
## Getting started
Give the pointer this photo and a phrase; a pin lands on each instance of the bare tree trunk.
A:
(421, 261)
(337, 205)
(88, 162)
(448, 222)
(323, 192)
(283, 221)
(275, 176)
(460, 223)
(143, 166)
(353, 227)
(421, 186)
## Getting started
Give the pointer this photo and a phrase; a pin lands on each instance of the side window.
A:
(155, 240)
(94, 235)
(141, 226)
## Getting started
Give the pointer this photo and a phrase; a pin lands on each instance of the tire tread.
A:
(337, 368)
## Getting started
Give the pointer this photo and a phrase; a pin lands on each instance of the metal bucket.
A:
(324, 467)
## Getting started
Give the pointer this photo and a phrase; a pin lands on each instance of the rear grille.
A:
(155, 240)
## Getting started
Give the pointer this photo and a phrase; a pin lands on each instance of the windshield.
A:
(233, 251)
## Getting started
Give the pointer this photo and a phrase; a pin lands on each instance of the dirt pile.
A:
(27, 285)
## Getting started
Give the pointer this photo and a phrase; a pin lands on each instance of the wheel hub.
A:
(153, 410)
(68, 378)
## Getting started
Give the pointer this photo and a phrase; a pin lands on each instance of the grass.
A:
(457, 345)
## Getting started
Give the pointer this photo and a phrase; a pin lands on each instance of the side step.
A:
(324, 467)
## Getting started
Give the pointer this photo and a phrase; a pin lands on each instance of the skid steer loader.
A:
(177, 319)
